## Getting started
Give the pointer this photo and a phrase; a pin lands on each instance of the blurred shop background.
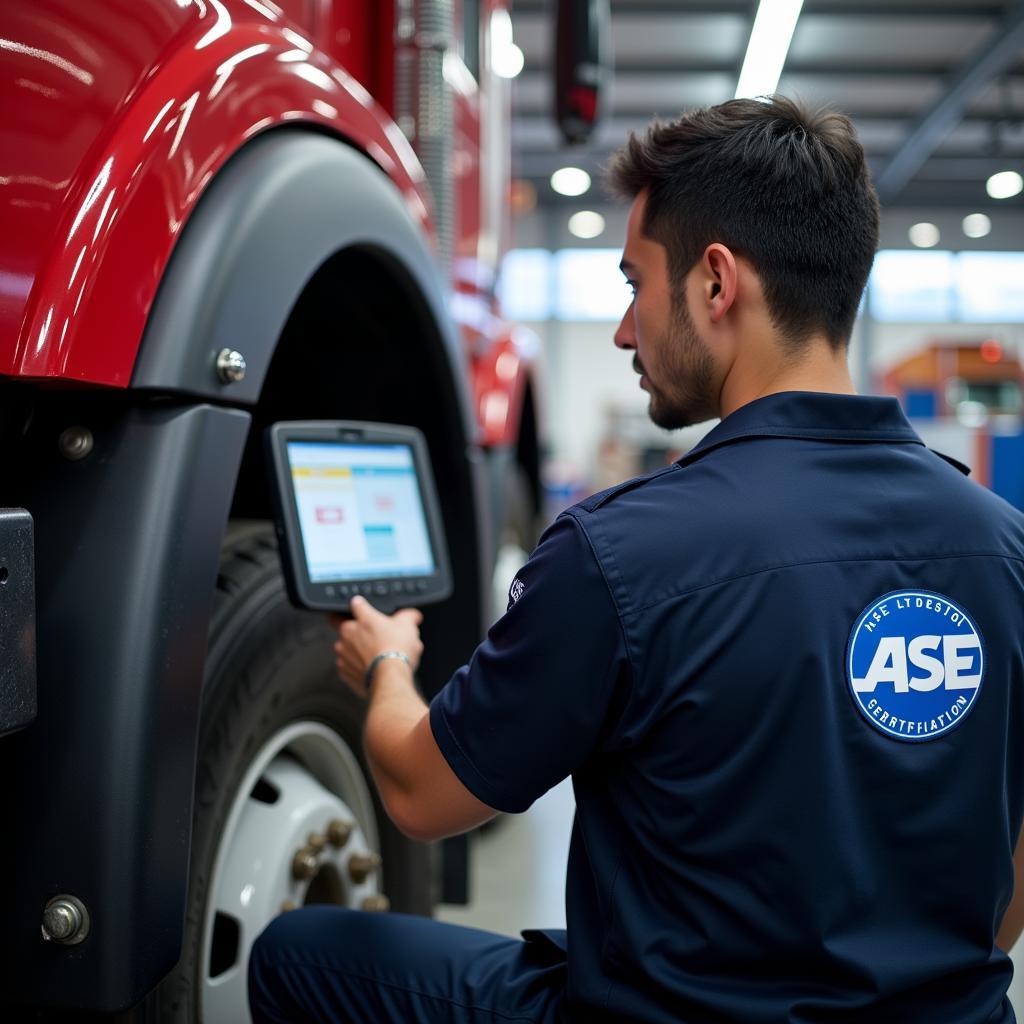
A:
(936, 91)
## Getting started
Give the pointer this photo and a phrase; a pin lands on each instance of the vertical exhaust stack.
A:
(424, 33)
(582, 66)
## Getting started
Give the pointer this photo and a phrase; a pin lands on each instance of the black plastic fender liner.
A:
(278, 210)
(17, 621)
(97, 792)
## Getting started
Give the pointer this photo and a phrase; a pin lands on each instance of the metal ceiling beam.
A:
(850, 8)
(829, 69)
(1001, 49)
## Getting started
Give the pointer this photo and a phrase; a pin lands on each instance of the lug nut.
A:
(286, 906)
(378, 903)
(65, 920)
(339, 832)
(362, 865)
(304, 863)
(316, 842)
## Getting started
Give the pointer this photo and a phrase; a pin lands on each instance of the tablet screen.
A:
(360, 511)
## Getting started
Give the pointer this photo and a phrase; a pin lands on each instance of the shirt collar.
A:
(811, 414)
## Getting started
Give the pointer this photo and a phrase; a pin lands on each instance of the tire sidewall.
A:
(269, 665)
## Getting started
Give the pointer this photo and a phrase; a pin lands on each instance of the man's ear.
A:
(720, 282)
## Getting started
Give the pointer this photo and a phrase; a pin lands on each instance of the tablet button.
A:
(421, 585)
(380, 589)
(329, 591)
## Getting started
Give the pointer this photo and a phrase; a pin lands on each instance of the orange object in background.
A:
(967, 400)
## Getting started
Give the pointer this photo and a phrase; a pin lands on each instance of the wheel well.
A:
(361, 343)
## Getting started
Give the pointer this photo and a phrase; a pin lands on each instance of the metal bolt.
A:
(286, 906)
(65, 920)
(339, 832)
(75, 443)
(304, 863)
(316, 842)
(362, 865)
(378, 903)
(230, 366)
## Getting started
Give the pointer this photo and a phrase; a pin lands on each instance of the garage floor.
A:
(518, 869)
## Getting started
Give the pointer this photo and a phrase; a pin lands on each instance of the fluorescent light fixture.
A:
(1004, 185)
(768, 46)
(586, 224)
(924, 235)
(570, 181)
(976, 225)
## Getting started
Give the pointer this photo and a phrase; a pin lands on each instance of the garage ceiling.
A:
(935, 87)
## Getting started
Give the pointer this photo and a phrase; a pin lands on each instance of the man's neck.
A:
(819, 368)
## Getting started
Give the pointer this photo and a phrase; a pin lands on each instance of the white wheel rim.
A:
(317, 779)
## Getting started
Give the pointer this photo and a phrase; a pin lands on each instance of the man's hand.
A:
(369, 633)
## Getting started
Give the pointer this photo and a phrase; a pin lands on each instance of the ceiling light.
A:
(509, 62)
(924, 235)
(976, 225)
(586, 224)
(506, 58)
(570, 181)
(1004, 185)
(768, 46)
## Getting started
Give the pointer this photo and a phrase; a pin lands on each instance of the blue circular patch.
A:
(915, 664)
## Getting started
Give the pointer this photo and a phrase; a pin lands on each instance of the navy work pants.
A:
(328, 964)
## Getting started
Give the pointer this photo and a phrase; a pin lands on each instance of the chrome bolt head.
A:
(230, 366)
(362, 865)
(75, 443)
(65, 921)
(339, 832)
(377, 903)
(305, 863)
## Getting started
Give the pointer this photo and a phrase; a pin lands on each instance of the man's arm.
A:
(420, 792)
(1013, 919)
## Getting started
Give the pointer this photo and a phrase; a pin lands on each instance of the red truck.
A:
(218, 214)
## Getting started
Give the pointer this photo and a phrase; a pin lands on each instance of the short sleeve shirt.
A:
(709, 651)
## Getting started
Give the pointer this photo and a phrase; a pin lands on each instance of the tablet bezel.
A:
(388, 593)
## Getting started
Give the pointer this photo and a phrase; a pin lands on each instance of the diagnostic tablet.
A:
(357, 513)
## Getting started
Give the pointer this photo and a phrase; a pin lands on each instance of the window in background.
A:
(913, 286)
(589, 285)
(989, 287)
(524, 287)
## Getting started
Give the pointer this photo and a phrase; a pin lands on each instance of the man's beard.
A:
(686, 394)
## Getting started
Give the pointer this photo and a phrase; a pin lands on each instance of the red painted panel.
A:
(117, 116)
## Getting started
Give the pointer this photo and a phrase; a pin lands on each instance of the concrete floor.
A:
(518, 869)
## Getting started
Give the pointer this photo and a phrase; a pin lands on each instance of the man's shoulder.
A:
(621, 492)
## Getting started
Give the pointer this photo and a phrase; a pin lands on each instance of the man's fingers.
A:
(413, 615)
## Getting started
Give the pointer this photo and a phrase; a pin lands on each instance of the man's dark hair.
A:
(785, 187)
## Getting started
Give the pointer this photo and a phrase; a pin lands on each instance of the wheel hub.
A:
(301, 830)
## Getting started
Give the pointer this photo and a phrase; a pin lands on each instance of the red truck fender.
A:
(227, 72)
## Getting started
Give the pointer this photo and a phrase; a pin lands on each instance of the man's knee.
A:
(291, 943)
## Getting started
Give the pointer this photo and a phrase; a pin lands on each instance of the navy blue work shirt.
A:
(786, 675)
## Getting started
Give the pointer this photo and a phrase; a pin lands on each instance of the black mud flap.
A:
(17, 621)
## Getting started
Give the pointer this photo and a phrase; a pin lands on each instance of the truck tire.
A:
(280, 780)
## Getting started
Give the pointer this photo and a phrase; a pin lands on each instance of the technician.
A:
(785, 673)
